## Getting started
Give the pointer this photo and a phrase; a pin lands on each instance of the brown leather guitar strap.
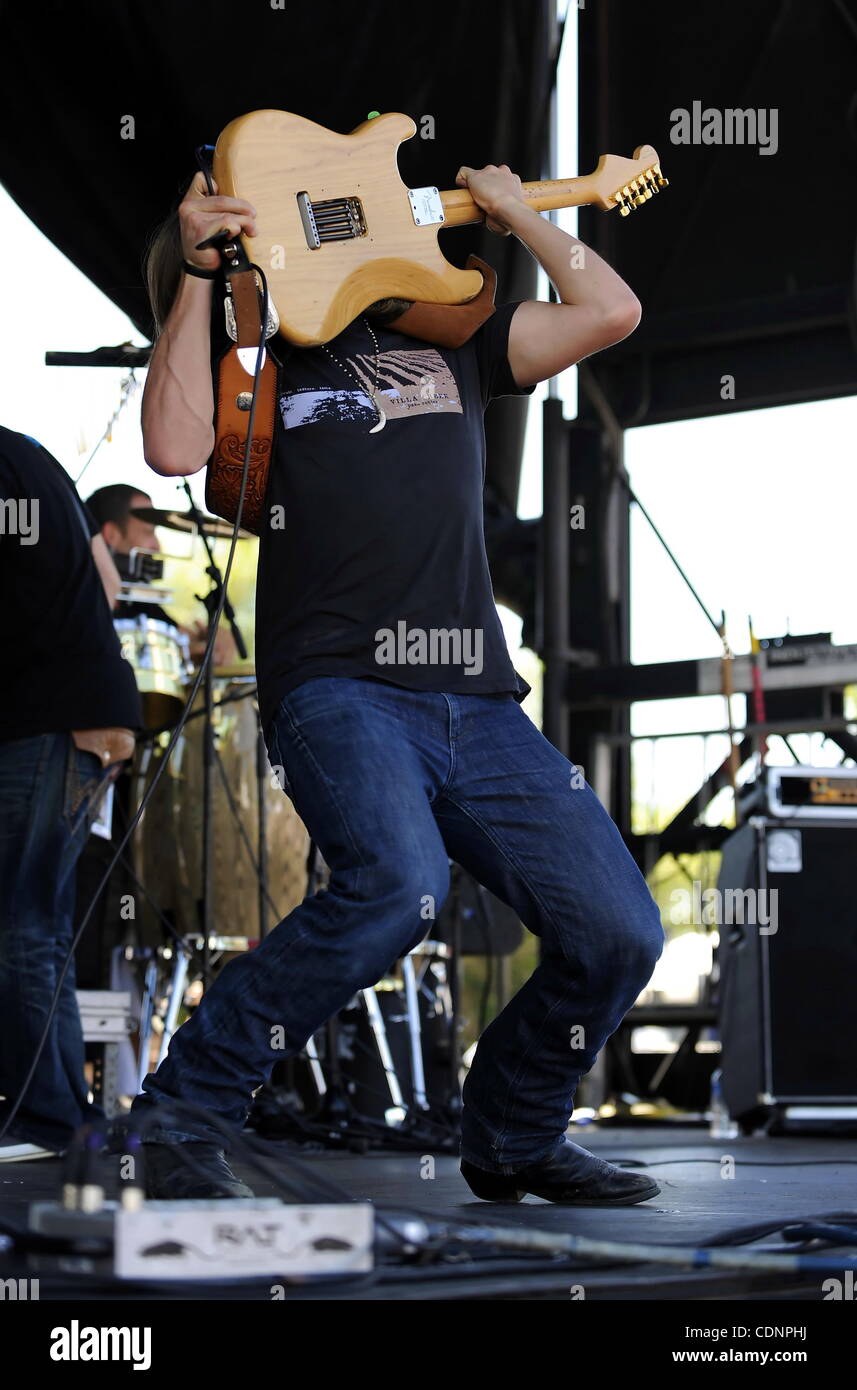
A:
(447, 325)
(233, 395)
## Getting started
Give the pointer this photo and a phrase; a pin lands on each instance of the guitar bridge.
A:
(332, 219)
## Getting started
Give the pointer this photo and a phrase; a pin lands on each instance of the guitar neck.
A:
(459, 207)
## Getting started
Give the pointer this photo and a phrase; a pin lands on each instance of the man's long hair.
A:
(163, 268)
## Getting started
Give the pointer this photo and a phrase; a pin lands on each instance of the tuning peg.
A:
(639, 190)
(627, 199)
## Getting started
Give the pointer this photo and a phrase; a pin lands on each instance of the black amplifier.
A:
(810, 793)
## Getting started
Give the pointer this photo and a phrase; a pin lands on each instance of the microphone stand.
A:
(211, 602)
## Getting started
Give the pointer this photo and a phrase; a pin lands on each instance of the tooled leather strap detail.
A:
(226, 465)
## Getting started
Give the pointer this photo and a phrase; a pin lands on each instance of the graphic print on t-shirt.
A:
(411, 381)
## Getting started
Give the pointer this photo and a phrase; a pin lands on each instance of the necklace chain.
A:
(342, 366)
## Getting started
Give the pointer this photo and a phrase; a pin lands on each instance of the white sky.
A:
(757, 506)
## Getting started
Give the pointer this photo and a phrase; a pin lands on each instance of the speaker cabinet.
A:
(788, 984)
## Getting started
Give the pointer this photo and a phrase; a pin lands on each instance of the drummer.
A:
(134, 545)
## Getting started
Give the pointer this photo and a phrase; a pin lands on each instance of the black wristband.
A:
(200, 274)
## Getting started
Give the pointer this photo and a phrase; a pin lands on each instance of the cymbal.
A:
(185, 521)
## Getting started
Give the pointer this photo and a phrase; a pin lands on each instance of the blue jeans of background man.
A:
(49, 790)
(391, 783)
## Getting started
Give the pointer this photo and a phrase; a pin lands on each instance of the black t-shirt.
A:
(372, 560)
(64, 668)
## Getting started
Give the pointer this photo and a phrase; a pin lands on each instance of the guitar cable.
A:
(177, 731)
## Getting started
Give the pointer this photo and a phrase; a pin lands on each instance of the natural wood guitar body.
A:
(271, 156)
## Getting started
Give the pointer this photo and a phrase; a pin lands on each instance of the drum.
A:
(158, 653)
(169, 841)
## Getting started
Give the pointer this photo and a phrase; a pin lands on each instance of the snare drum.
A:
(159, 655)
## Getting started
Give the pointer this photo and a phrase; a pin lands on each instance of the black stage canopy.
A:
(746, 265)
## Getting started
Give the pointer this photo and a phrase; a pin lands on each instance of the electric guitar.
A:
(338, 229)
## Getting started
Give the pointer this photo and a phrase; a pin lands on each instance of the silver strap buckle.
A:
(232, 326)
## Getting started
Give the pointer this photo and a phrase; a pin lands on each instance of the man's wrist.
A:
(193, 287)
(511, 211)
(199, 272)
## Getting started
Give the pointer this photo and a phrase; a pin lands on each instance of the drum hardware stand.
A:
(313, 877)
(379, 1033)
(147, 1013)
(211, 602)
(414, 1033)
(454, 1105)
(176, 992)
(335, 1111)
(139, 781)
(262, 829)
(177, 989)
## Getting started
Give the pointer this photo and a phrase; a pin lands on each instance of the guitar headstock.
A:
(627, 183)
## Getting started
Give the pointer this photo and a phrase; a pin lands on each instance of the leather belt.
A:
(108, 745)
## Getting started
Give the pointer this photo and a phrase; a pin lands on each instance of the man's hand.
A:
(201, 215)
(494, 188)
(225, 651)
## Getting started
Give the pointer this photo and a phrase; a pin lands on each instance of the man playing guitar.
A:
(392, 712)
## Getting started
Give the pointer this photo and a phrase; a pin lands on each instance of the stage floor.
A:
(766, 1179)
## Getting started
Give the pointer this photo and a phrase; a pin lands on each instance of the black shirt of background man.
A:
(64, 667)
(366, 531)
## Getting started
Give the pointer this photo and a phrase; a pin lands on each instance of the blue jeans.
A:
(391, 784)
(49, 791)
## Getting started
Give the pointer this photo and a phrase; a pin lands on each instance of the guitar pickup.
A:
(332, 219)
